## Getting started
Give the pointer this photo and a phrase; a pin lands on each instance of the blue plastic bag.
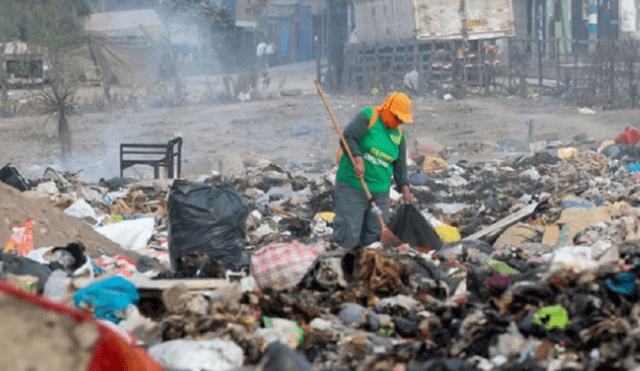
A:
(107, 299)
(623, 284)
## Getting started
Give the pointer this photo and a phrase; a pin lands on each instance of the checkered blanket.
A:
(282, 265)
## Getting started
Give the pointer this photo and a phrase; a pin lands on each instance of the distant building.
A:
(23, 63)
(129, 46)
(576, 19)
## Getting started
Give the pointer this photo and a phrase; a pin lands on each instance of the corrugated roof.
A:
(126, 23)
(19, 47)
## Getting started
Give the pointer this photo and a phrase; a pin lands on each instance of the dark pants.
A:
(354, 223)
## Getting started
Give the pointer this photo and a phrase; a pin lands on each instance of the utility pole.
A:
(318, 49)
(593, 25)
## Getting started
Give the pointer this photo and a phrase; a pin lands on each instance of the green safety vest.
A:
(380, 147)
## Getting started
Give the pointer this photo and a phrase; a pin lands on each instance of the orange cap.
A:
(400, 105)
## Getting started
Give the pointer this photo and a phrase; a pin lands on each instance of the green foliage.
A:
(220, 16)
(54, 26)
(59, 99)
(49, 24)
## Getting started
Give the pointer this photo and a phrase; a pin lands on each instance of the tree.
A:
(216, 20)
(52, 25)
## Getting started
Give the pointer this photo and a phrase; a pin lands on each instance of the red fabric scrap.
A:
(629, 136)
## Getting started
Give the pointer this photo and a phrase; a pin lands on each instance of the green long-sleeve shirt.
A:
(383, 151)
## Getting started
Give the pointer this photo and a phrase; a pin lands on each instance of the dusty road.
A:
(286, 128)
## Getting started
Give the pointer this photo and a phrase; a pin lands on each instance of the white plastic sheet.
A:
(129, 234)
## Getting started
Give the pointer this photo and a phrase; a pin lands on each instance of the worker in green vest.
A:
(378, 144)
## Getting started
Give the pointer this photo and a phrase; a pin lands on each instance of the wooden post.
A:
(484, 68)
(318, 50)
(557, 63)
(356, 65)
(612, 68)
(409, 56)
(394, 54)
(540, 62)
(429, 63)
(509, 61)
(376, 63)
(439, 74)
(575, 70)
(416, 62)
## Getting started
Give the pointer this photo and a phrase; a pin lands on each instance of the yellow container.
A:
(448, 233)
(327, 216)
(565, 153)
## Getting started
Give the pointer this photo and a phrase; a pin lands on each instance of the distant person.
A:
(270, 51)
(261, 50)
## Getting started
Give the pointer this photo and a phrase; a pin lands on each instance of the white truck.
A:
(377, 21)
(463, 34)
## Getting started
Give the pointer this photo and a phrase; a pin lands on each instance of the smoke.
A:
(191, 49)
(97, 156)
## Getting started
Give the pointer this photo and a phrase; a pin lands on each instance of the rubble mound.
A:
(59, 342)
(51, 227)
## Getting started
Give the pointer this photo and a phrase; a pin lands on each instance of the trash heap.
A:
(530, 262)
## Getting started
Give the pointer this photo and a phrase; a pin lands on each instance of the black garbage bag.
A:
(620, 150)
(280, 357)
(11, 176)
(196, 265)
(208, 219)
(412, 228)
(69, 258)
(444, 364)
(22, 266)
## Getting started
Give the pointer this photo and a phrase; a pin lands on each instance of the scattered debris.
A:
(529, 262)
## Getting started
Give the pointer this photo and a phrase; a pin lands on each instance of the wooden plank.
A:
(191, 284)
(143, 283)
(500, 225)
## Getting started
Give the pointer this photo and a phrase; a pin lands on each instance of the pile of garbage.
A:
(530, 262)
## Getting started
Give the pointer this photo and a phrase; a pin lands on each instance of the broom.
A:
(387, 238)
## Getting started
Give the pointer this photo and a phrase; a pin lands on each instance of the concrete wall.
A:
(629, 19)
(520, 19)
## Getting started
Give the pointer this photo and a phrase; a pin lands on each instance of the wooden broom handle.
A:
(343, 140)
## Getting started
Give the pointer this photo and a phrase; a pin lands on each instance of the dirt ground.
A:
(283, 128)
(51, 227)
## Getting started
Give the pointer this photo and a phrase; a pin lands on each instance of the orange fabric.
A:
(21, 239)
(398, 105)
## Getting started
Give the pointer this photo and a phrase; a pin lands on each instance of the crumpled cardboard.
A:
(515, 235)
(573, 220)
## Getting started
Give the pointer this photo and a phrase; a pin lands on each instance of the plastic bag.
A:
(208, 219)
(11, 176)
(283, 265)
(107, 299)
(23, 266)
(21, 239)
(412, 228)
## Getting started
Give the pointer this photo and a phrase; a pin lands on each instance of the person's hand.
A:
(358, 166)
(406, 194)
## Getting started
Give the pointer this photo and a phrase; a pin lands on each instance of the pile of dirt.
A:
(51, 227)
(59, 342)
